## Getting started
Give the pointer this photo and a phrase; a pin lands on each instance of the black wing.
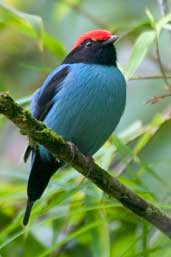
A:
(45, 95)
(42, 101)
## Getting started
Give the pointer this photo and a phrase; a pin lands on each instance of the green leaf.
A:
(139, 51)
(30, 25)
(71, 236)
(100, 237)
(54, 46)
(167, 27)
(146, 137)
(162, 23)
(62, 8)
(150, 17)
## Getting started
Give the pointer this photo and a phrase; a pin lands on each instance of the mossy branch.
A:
(39, 133)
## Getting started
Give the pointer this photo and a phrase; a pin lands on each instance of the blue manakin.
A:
(82, 100)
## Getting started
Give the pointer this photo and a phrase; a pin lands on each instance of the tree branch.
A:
(39, 133)
(144, 77)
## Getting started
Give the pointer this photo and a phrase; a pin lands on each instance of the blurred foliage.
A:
(74, 218)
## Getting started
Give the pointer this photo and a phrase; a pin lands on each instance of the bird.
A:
(82, 100)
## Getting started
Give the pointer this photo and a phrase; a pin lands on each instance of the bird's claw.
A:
(73, 149)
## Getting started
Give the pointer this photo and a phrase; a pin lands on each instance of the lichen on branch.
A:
(39, 133)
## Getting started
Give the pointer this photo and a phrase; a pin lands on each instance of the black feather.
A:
(41, 172)
(45, 101)
(27, 212)
(43, 169)
(27, 153)
(97, 53)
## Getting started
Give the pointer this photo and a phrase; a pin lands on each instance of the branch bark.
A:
(62, 150)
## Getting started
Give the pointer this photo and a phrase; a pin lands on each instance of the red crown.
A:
(96, 35)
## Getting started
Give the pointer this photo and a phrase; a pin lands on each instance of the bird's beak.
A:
(111, 40)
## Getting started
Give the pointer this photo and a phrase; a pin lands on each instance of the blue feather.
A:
(82, 100)
(87, 106)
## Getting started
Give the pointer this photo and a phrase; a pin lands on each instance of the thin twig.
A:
(157, 99)
(86, 14)
(141, 77)
(160, 62)
(39, 133)
(164, 7)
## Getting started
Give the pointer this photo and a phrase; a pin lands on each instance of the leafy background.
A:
(75, 218)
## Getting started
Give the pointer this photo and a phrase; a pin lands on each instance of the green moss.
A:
(39, 133)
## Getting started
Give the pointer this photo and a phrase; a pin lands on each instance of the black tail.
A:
(41, 172)
(27, 212)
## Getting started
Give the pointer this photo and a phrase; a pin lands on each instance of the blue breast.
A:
(88, 106)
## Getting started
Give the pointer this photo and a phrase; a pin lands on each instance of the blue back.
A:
(87, 106)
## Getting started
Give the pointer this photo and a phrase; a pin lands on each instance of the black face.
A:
(93, 52)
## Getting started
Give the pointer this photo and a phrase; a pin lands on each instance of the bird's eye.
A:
(88, 44)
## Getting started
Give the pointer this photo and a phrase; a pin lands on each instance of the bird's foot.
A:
(91, 164)
(73, 149)
(33, 144)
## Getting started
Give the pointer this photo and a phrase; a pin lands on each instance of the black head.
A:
(93, 51)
